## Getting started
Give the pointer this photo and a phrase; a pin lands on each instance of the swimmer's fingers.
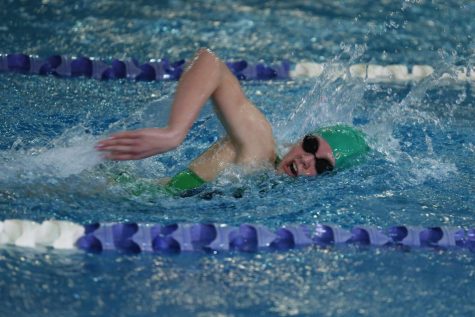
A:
(128, 154)
(124, 150)
(116, 144)
(117, 156)
(121, 149)
(139, 144)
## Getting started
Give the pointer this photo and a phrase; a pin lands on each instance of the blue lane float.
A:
(154, 70)
(212, 238)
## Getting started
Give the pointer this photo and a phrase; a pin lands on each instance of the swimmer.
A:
(249, 141)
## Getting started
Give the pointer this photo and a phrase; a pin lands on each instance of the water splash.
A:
(393, 127)
(389, 123)
(73, 151)
(69, 154)
(152, 114)
(331, 100)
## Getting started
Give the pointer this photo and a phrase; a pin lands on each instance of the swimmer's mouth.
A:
(293, 168)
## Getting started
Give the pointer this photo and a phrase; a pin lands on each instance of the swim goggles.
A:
(310, 145)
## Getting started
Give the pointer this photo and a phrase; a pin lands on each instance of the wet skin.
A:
(297, 162)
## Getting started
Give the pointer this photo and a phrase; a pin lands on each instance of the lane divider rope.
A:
(164, 69)
(175, 238)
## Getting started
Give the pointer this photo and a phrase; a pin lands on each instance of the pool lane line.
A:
(164, 69)
(135, 238)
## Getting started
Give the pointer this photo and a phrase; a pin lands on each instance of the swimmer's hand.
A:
(138, 144)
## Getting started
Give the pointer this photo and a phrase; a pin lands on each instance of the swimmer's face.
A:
(299, 162)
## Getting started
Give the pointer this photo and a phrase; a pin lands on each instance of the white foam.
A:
(61, 160)
(425, 168)
(66, 161)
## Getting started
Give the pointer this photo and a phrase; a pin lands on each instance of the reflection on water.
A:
(343, 282)
(420, 171)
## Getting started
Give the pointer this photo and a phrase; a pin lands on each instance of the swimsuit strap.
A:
(184, 180)
(277, 161)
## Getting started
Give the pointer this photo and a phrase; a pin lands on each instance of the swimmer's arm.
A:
(206, 77)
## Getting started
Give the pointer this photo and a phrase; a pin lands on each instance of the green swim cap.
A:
(348, 144)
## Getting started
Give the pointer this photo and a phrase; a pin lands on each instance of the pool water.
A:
(420, 170)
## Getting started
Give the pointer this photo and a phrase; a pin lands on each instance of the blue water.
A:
(420, 171)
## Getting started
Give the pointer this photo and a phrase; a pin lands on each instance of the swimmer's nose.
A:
(307, 161)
